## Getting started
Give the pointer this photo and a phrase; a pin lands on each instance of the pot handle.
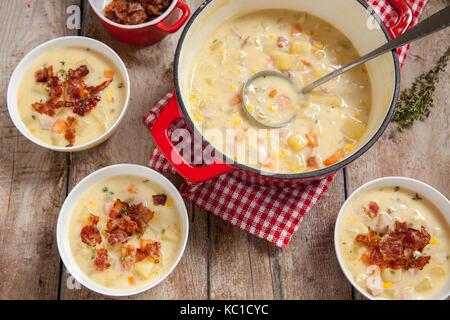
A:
(160, 134)
(405, 17)
(184, 16)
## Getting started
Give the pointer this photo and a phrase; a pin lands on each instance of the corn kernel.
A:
(271, 36)
(220, 52)
(294, 107)
(357, 116)
(308, 32)
(268, 134)
(33, 130)
(284, 152)
(349, 147)
(198, 117)
(111, 91)
(238, 71)
(316, 34)
(433, 241)
(387, 285)
(92, 203)
(230, 71)
(194, 97)
(250, 108)
(155, 218)
(237, 121)
(314, 50)
(276, 154)
(169, 202)
(355, 219)
(108, 100)
(272, 108)
(318, 46)
(255, 70)
(232, 88)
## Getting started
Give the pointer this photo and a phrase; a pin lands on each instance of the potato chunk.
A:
(297, 142)
(353, 129)
(299, 46)
(169, 234)
(438, 271)
(285, 61)
(144, 268)
(424, 285)
(391, 275)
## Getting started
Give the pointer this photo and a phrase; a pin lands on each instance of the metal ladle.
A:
(436, 22)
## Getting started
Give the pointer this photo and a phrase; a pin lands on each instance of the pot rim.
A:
(288, 176)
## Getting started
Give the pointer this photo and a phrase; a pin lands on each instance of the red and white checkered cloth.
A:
(271, 213)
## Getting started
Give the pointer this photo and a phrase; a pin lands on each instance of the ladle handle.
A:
(436, 22)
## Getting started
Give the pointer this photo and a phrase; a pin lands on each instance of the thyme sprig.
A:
(416, 101)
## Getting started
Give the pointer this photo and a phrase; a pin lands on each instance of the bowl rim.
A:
(134, 26)
(390, 181)
(288, 176)
(78, 191)
(28, 59)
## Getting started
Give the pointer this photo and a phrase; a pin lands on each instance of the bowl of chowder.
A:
(392, 240)
(69, 93)
(122, 230)
(226, 42)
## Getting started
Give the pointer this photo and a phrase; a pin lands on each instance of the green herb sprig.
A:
(415, 102)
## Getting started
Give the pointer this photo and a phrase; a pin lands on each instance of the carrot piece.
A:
(312, 140)
(133, 189)
(235, 100)
(306, 62)
(58, 126)
(338, 156)
(109, 74)
(273, 93)
(365, 258)
(295, 30)
(131, 280)
(313, 162)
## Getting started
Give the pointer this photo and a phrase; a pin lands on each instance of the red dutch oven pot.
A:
(352, 17)
(144, 33)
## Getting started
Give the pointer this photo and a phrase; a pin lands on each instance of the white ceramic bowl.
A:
(31, 56)
(62, 227)
(425, 191)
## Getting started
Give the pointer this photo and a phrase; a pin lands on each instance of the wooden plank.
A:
(423, 151)
(239, 264)
(132, 143)
(308, 266)
(32, 179)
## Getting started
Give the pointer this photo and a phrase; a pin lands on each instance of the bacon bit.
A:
(159, 199)
(109, 74)
(369, 212)
(58, 126)
(312, 140)
(79, 72)
(117, 236)
(131, 280)
(101, 261)
(235, 100)
(373, 206)
(338, 156)
(296, 30)
(133, 189)
(127, 256)
(150, 249)
(395, 249)
(282, 42)
(41, 75)
(69, 134)
(273, 93)
(93, 220)
(313, 162)
(125, 220)
(90, 235)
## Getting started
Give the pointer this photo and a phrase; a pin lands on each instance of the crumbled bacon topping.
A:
(159, 199)
(125, 220)
(127, 256)
(89, 234)
(133, 12)
(396, 249)
(150, 249)
(101, 262)
(70, 93)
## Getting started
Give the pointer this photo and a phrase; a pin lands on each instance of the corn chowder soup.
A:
(332, 118)
(125, 233)
(395, 244)
(70, 96)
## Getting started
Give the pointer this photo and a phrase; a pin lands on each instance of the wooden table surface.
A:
(220, 261)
